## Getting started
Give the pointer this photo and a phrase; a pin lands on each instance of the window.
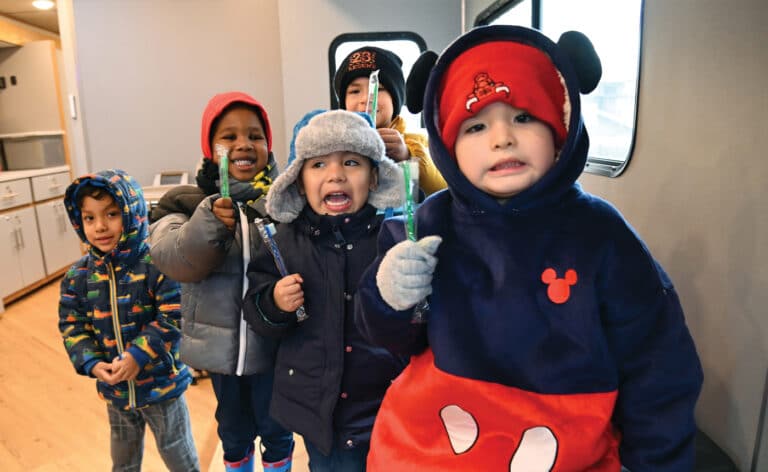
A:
(610, 110)
(407, 45)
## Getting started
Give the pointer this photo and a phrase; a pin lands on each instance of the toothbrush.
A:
(267, 232)
(222, 152)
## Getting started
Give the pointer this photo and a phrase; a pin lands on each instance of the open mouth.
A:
(243, 164)
(337, 202)
(510, 164)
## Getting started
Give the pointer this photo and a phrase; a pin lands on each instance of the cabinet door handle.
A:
(20, 232)
(10, 195)
(62, 217)
(17, 244)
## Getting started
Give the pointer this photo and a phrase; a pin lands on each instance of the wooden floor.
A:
(51, 419)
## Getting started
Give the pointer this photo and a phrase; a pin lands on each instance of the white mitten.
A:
(405, 274)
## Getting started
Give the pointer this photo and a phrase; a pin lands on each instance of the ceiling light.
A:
(43, 4)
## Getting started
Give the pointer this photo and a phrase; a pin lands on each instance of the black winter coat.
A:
(329, 381)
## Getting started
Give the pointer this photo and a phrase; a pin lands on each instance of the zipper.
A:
(118, 331)
(243, 328)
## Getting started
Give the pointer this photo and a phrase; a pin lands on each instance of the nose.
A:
(502, 136)
(362, 99)
(336, 172)
(244, 144)
(101, 224)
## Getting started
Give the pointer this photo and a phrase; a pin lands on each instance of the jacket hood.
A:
(577, 64)
(322, 132)
(130, 198)
(217, 104)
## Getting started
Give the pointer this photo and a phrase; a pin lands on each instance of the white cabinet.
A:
(36, 239)
(19, 250)
(60, 243)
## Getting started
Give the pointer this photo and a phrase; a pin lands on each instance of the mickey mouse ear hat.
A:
(496, 63)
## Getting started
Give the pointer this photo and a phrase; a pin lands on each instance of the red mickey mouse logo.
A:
(559, 289)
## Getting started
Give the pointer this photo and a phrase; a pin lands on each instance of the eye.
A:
(113, 214)
(227, 137)
(351, 163)
(256, 137)
(317, 164)
(474, 128)
(87, 218)
(524, 117)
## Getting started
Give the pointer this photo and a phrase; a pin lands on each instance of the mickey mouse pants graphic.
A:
(432, 420)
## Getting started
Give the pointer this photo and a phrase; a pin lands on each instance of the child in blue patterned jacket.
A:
(119, 317)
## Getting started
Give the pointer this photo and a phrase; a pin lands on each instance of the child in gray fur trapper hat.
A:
(329, 381)
(319, 134)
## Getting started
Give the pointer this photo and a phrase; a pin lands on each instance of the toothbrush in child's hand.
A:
(411, 180)
(222, 152)
(372, 104)
(267, 232)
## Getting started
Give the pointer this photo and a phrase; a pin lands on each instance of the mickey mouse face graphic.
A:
(559, 290)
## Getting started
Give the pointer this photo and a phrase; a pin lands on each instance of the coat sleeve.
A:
(259, 308)
(381, 324)
(188, 249)
(75, 326)
(153, 344)
(660, 375)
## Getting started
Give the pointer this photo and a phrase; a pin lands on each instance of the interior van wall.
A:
(695, 191)
(307, 28)
(146, 69)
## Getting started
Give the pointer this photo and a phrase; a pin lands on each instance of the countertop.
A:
(8, 175)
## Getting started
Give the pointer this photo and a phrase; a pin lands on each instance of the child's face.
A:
(337, 183)
(357, 96)
(102, 222)
(503, 150)
(240, 131)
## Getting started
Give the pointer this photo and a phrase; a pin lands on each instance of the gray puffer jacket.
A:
(190, 245)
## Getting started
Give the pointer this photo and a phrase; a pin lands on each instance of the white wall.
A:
(695, 190)
(30, 106)
(146, 69)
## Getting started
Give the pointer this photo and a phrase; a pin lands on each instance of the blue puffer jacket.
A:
(120, 302)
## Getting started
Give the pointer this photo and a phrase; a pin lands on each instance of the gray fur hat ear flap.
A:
(324, 133)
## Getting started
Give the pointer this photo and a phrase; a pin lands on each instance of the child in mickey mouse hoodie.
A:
(553, 341)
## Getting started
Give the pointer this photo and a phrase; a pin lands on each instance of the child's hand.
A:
(394, 144)
(405, 274)
(288, 294)
(103, 372)
(225, 212)
(124, 367)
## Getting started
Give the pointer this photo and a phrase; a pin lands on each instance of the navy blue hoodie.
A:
(554, 340)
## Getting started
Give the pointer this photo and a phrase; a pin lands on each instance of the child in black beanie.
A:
(351, 86)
